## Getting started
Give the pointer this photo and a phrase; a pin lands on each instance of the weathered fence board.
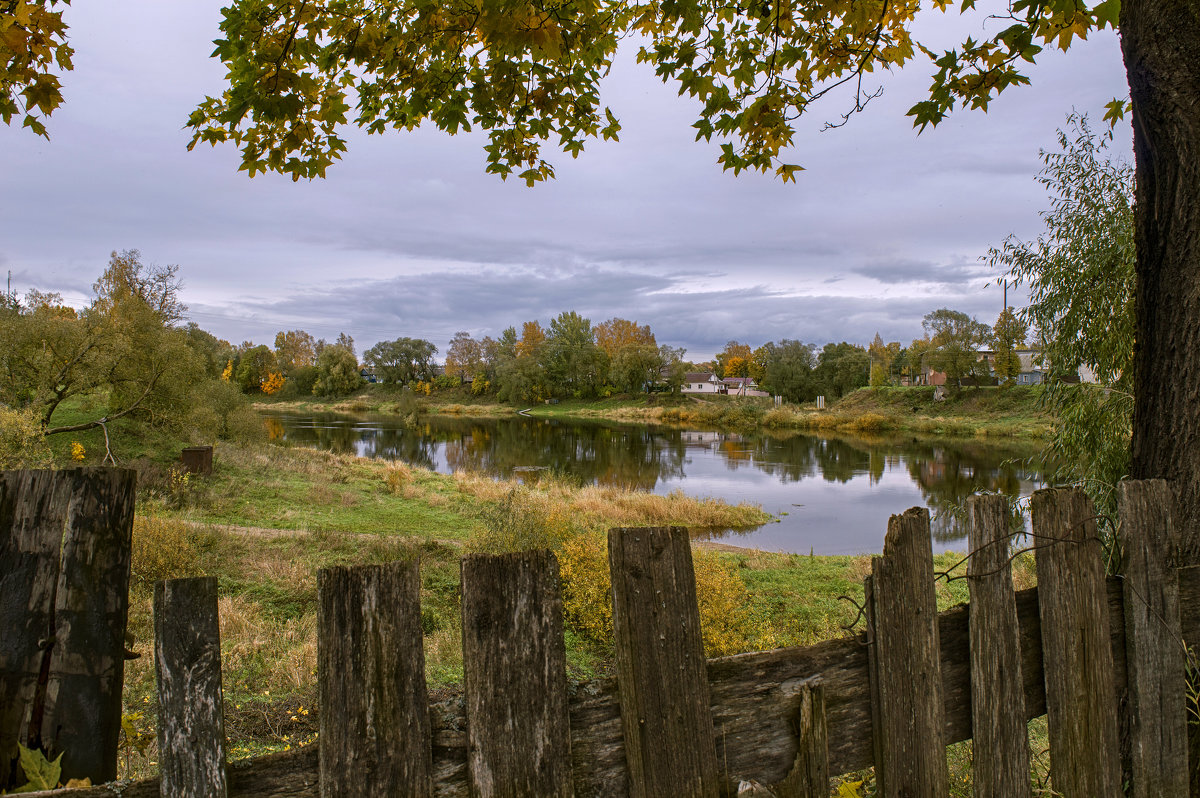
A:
(1154, 655)
(747, 692)
(515, 678)
(906, 663)
(187, 661)
(1080, 695)
(374, 721)
(68, 534)
(665, 710)
(809, 777)
(1000, 762)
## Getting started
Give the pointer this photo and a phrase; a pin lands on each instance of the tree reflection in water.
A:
(649, 458)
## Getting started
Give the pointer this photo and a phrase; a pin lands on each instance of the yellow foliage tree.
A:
(273, 383)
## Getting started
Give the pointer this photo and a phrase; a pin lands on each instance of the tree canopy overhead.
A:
(528, 72)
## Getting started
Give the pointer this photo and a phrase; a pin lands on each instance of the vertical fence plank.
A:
(191, 713)
(65, 558)
(1000, 765)
(515, 679)
(1081, 699)
(809, 776)
(663, 681)
(1154, 656)
(374, 728)
(32, 513)
(906, 664)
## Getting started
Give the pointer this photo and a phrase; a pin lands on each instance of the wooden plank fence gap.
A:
(374, 722)
(1081, 699)
(187, 660)
(1155, 662)
(1000, 765)
(670, 746)
(906, 663)
(515, 680)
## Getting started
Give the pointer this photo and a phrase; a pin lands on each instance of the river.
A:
(830, 494)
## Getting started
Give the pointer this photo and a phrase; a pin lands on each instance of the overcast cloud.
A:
(408, 236)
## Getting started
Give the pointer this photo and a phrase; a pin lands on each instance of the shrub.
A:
(22, 444)
(524, 519)
(395, 477)
(162, 549)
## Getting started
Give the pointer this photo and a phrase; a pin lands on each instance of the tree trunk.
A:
(1160, 40)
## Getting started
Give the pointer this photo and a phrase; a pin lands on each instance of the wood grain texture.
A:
(191, 712)
(32, 513)
(69, 700)
(1000, 762)
(374, 716)
(749, 704)
(665, 711)
(809, 776)
(1081, 699)
(515, 677)
(1154, 656)
(906, 663)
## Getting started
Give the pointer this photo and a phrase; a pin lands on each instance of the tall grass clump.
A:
(163, 548)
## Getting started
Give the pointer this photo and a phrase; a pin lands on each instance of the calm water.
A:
(832, 495)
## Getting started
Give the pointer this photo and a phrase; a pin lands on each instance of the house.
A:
(1035, 368)
(700, 382)
(707, 382)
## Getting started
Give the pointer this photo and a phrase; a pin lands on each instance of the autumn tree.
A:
(955, 339)
(734, 360)
(254, 366)
(1009, 335)
(402, 361)
(464, 357)
(295, 349)
(882, 356)
(634, 358)
(122, 349)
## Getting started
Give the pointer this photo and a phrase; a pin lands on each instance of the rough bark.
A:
(1160, 40)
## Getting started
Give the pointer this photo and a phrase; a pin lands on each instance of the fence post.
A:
(1081, 702)
(905, 663)
(1001, 738)
(374, 722)
(809, 776)
(1154, 655)
(187, 659)
(64, 574)
(514, 676)
(661, 671)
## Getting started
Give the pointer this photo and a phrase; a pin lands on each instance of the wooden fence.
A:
(1104, 658)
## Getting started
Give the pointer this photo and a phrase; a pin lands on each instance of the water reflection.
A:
(832, 494)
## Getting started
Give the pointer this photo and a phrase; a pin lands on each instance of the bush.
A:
(524, 519)
(299, 383)
(162, 549)
(22, 444)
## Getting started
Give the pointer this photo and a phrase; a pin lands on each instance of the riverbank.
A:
(269, 517)
(1012, 411)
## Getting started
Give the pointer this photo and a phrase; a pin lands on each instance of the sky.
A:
(407, 235)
